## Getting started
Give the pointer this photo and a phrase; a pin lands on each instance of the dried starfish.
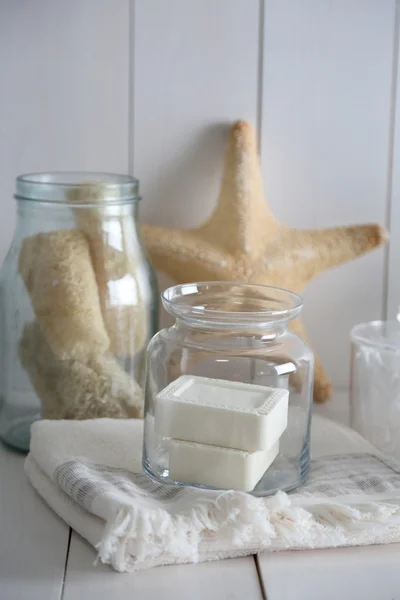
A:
(242, 241)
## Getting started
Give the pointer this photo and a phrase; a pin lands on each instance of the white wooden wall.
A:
(149, 87)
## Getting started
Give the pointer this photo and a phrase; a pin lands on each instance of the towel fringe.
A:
(135, 534)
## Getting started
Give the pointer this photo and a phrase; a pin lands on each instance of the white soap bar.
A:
(213, 466)
(223, 413)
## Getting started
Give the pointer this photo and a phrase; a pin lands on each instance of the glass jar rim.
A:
(210, 303)
(377, 334)
(55, 187)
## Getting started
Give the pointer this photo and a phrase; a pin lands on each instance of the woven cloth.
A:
(89, 472)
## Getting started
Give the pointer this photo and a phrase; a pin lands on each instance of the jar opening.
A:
(84, 188)
(231, 304)
(378, 334)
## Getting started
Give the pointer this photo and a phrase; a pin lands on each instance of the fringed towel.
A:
(89, 472)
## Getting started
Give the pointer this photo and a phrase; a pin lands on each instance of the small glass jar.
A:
(78, 303)
(229, 390)
(375, 384)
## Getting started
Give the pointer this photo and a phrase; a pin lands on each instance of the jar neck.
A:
(226, 308)
(74, 187)
(263, 332)
(61, 200)
(36, 217)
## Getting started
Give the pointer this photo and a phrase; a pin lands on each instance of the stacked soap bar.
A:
(223, 433)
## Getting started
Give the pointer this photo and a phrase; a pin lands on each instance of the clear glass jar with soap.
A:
(78, 303)
(229, 390)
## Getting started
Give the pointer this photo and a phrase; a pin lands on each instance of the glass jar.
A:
(229, 390)
(375, 384)
(78, 303)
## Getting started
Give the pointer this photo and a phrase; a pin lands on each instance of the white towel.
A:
(89, 472)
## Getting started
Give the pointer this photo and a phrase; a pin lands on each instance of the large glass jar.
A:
(78, 303)
(229, 390)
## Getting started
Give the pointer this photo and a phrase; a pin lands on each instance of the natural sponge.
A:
(73, 389)
(58, 274)
(110, 231)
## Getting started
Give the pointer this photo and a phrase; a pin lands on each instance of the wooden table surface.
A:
(42, 559)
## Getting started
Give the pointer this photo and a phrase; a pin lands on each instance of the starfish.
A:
(242, 241)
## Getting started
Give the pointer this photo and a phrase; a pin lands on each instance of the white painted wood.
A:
(193, 66)
(33, 540)
(227, 579)
(64, 91)
(327, 74)
(195, 72)
(368, 573)
(337, 409)
(393, 292)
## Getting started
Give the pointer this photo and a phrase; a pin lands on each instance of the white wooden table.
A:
(41, 559)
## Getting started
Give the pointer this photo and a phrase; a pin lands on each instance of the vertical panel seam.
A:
(260, 577)
(131, 87)
(391, 152)
(260, 80)
(259, 112)
(62, 591)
